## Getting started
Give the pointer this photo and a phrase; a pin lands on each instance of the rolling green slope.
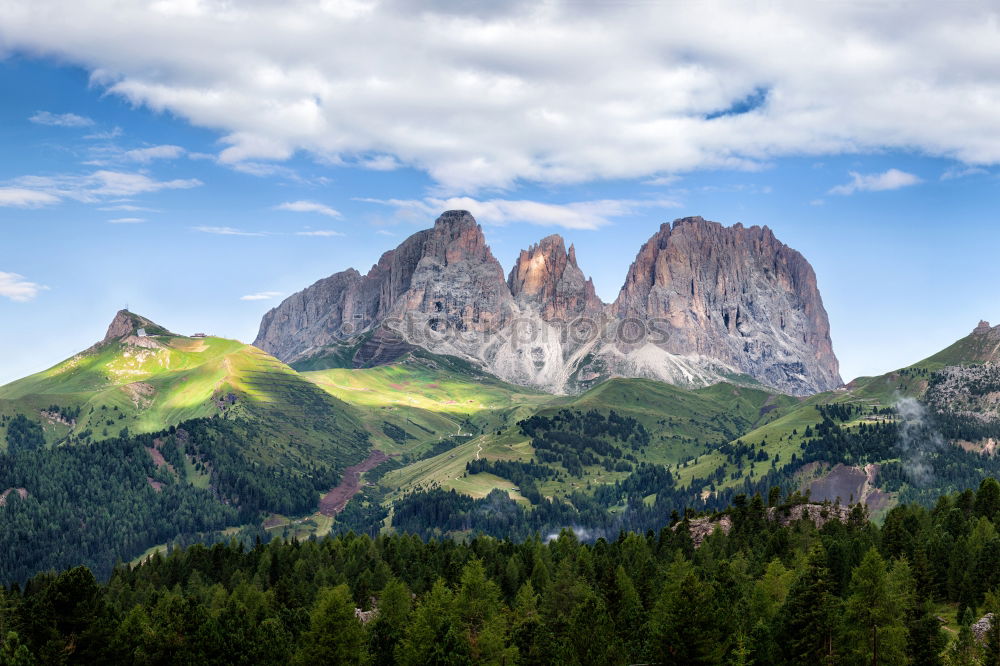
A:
(145, 384)
(421, 399)
(685, 427)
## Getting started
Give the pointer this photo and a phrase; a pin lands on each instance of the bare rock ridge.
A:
(439, 277)
(702, 302)
(127, 324)
(737, 295)
(547, 277)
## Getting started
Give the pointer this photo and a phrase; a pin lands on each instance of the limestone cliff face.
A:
(547, 278)
(457, 283)
(736, 295)
(700, 303)
(126, 324)
(437, 277)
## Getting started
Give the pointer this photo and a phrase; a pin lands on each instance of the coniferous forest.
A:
(767, 591)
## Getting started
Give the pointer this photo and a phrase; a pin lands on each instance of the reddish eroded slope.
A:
(334, 501)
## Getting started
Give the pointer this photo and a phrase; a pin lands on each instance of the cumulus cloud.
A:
(146, 155)
(17, 288)
(261, 296)
(489, 95)
(19, 197)
(60, 119)
(576, 215)
(893, 179)
(308, 207)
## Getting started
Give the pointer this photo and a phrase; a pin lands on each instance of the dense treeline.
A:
(575, 440)
(523, 474)
(108, 501)
(848, 592)
(94, 505)
(24, 434)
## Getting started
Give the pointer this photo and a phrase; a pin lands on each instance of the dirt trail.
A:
(334, 501)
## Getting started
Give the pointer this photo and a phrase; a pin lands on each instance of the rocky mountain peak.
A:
(127, 323)
(457, 237)
(735, 294)
(701, 302)
(546, 276)
(983, 328)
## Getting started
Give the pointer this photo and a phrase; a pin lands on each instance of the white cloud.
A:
(951, 173)
(489, 95)
(146, 155)
(129, 208)
(308, 207)
(19, 197)
(17, 288)
(322, 233)
(576, 215)
(893, 179)
(228, 231)
(113, 133)
(662, 180)
(261, 296)
(127, 220)
(97, 185)
(381, 163)
(60, 119)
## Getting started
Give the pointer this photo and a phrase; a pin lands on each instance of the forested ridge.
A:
(108, 501)
(849, 592)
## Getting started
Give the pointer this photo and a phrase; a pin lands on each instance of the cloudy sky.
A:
(199, 160)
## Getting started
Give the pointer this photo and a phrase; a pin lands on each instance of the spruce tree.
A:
(874, 613)
(807, 624)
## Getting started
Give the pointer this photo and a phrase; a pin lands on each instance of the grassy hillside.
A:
(415, 403)
(685, 428)
(147, 384)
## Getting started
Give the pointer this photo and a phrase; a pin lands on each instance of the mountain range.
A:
(411, 399)
(701, 303)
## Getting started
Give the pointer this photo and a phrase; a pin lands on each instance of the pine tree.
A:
(628, 614)
(432, 636)
(479, 613)
(874, 612)
(528, 631)
(682, 623)
(389, 625)
(807, 622)
(926, 639)
(335, 634)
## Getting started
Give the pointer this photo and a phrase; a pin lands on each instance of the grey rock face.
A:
(126, 324)
(736, 295)
(701, 302)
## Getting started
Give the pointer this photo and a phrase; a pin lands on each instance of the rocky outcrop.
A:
(127, 324)
(437, 277)
(701, 303)
(981, 628)
(736, 295)
(547, 278)
(818, 514)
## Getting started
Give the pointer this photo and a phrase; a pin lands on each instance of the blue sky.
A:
(201, 192)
